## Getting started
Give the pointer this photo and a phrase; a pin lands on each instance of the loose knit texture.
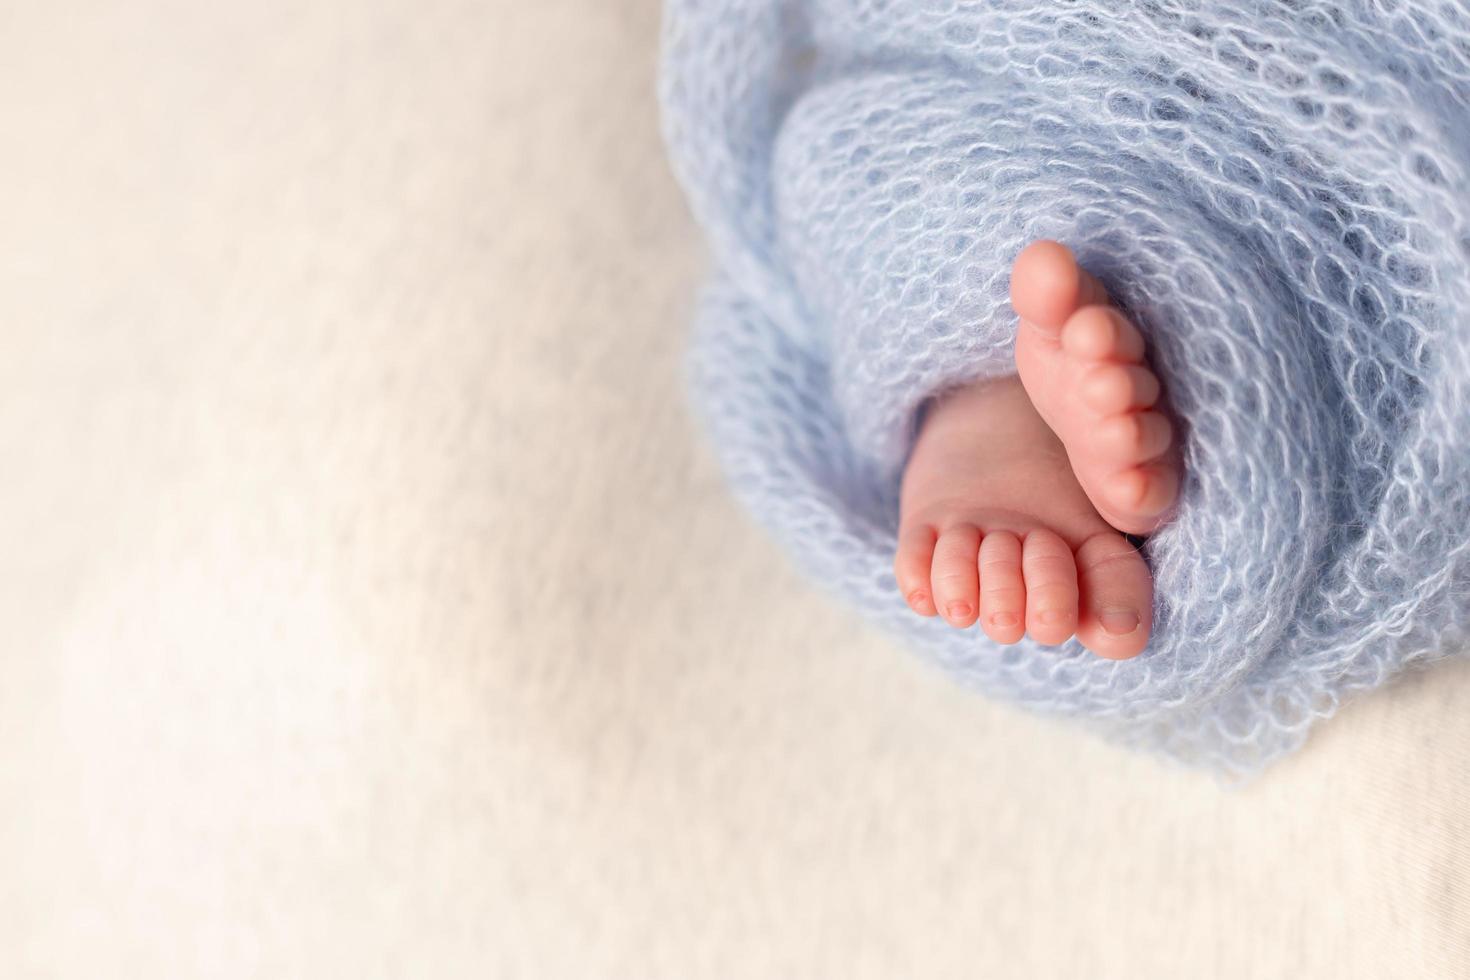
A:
(1276, 192)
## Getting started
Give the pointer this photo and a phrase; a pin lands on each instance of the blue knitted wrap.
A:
(1276, 190)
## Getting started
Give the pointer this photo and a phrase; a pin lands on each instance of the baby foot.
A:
(1083, 365)
(994, 527)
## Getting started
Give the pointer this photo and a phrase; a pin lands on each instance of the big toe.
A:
(1048, 286)
(1116, 597)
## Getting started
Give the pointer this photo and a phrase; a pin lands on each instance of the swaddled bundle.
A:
(1277, 193)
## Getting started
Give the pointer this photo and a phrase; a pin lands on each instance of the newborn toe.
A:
(1134, 438)
(954, 575)
(1101, 333)
(1117, 597)
(1050, 573)
(911, 564)
(1111, 389)
(1002, 588)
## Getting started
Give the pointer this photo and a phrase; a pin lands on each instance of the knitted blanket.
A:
(1275, 190)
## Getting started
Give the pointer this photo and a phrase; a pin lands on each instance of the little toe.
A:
(911, 564)
(1101, 333)
(954, 577)
(1116, 595)
(1051, 587)
(1002, 588)
(1111, 389)
(1133, 438)
(1047, 285)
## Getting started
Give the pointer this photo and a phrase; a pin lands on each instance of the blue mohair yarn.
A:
(1275, 189)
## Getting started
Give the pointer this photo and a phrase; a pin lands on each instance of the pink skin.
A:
(1082, 363)
(1017, 486)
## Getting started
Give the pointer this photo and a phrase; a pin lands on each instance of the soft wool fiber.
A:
(1276, 191)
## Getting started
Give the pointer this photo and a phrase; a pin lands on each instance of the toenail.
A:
(1053, 616)
(1004, 620)
(960, 610)
(917, 598)
(1120, 622)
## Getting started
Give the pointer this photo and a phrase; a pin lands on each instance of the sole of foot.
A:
(1083, 365)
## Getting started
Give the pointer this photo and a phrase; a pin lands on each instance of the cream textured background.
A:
(372, 610)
